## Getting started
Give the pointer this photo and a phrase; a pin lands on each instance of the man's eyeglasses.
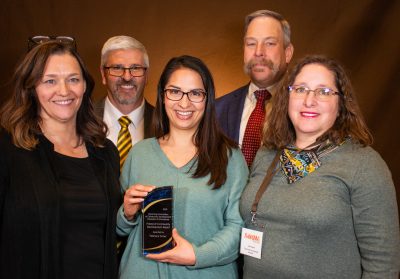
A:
(321, 94)
(195, 96)
(37, 40)
(118, 71)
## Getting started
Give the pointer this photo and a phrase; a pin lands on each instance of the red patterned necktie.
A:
(252, 135)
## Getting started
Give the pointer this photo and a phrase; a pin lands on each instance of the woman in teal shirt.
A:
(208, 173)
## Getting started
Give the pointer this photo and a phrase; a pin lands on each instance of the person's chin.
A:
(261, 78)
(126, 99)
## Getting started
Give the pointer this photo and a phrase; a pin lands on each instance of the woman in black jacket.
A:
(59, 189)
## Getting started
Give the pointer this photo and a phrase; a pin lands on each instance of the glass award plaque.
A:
(157, 220)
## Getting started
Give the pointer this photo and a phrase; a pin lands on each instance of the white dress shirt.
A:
(249, 105)
(136, 128)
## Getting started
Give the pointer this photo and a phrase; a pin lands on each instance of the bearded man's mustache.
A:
(129, 82)
(264, 62)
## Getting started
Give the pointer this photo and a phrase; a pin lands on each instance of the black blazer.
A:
(30, 203)
(148, 116)
(229, 110)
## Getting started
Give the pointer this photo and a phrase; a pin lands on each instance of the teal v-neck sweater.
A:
(208, 219)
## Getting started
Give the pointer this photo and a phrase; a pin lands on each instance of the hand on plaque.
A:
(133, 199)
(181, 254)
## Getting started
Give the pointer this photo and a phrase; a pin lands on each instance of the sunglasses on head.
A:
(37, 40)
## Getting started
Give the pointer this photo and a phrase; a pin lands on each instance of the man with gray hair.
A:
(124, 68)
(267, 53)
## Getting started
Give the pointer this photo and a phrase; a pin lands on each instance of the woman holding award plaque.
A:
(207, 172)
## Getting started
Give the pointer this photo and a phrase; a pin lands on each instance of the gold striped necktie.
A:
(124, 142)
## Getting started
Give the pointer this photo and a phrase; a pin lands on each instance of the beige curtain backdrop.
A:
(363, 35)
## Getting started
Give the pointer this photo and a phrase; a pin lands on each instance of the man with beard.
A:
(124, 69)
(267, 53)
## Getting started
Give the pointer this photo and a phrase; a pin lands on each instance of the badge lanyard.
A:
(264, 185)
(323, 149)
(251, 240)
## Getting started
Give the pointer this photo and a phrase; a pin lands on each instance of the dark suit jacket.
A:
(148, 116)
(229, 110)
(30, 204)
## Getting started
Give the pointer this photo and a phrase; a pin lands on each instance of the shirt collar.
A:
(113, 114)
(253, 88)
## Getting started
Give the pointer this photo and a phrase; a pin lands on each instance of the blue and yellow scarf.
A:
(297, 163)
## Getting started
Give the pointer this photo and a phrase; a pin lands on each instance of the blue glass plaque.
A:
(157, 220)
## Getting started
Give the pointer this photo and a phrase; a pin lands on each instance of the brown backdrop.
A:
(363, 35)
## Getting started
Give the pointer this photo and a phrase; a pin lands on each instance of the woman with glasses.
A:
(59, 188)
(207, 172)
(322, 199)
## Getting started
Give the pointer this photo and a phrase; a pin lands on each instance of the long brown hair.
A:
(20, 117)
(214, 148)
(279, 131)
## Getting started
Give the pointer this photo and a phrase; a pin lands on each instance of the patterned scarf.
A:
(297, 163)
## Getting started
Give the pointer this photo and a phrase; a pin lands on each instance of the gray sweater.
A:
(340, 221)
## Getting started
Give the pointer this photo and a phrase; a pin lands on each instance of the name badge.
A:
(251, 243)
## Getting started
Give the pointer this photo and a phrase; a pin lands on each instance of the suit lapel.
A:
(99, 108)
(148, 125)
(235, 112)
